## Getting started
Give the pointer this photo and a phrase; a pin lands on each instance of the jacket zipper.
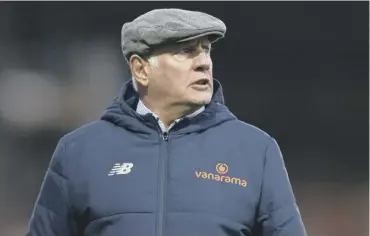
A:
(162, 183)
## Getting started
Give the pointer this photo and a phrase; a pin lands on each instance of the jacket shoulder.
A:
(75, 143)
(250, 129)
(246, 132)
(87, 132)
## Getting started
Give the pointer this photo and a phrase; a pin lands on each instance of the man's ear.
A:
(139, 69)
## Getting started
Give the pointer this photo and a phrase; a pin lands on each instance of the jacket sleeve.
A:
(51, 214)
(278, 212)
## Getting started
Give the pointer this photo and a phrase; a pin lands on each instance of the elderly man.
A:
(167, 158)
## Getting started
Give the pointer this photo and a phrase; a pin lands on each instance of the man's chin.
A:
(201, 101)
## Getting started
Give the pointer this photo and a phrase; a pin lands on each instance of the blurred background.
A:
(297, 70)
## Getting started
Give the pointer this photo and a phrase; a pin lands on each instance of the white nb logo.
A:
(121, 169)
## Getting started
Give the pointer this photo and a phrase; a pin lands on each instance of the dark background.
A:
(297, 70)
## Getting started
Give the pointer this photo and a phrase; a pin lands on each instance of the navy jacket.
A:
(211, 175)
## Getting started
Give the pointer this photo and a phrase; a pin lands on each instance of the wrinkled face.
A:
(182, 73)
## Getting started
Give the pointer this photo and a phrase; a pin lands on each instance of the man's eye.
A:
(188, 49)
(207, 49)
(192, 49)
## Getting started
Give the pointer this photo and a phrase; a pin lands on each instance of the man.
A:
(167, 158)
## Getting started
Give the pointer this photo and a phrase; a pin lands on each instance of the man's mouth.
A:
(201, 85)
(202, 82)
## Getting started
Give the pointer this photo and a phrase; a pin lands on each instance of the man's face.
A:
(182, 73)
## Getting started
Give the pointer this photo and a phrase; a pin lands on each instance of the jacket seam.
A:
(267, 215)
(271, 140)
(63, 153)
(264, 165)
(117, 214)
(263, 179)
(59, 174)
(42, 205)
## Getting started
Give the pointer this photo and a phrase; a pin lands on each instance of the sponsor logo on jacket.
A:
(221, 169)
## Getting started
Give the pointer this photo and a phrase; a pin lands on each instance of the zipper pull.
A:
(165, 136)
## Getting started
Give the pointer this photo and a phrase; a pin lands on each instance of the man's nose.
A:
(203, 61)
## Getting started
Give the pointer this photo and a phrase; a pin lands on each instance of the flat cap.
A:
(162, 26)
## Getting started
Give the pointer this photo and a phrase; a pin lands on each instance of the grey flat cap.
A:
(161, 26)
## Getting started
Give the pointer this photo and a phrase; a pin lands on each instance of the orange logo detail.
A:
(221, 176)
(222, 168)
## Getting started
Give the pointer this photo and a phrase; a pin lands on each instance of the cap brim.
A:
(213, 36)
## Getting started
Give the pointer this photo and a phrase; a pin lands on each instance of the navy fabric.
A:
(212, 175)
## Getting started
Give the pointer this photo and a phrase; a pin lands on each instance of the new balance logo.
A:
(121, 169)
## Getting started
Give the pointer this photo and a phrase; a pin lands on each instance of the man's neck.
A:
(168, 114)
